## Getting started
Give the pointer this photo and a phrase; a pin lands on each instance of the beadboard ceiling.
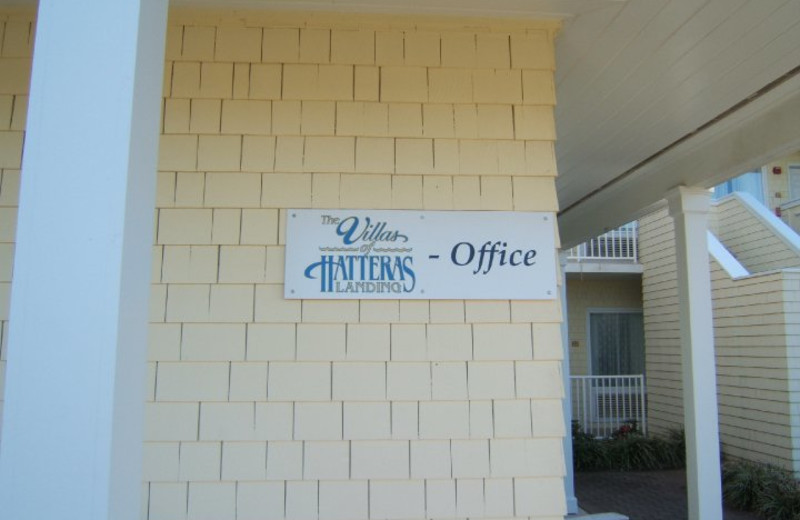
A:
(651, 93)
(657, 93)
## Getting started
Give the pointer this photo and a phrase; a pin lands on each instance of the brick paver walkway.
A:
(640, 495)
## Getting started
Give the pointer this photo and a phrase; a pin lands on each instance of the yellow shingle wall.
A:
(16, 40)
(346, 409)
(260, 407)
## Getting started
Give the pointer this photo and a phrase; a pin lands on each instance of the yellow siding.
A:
(264, 407)
(661, 329)
(755, 345)
(589, 292)
(750, 241)
(751, 337)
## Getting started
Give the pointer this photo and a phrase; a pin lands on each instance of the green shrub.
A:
(631, 452)
(782, 503)
(627, 449)
(767, 490)
(743, 484)
(677, 441)
(588, 453)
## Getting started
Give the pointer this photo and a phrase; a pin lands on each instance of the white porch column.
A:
(72, 429)
(689, 209)
(569, 479)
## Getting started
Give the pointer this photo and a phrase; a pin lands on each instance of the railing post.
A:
(643, 405)
(588, 403)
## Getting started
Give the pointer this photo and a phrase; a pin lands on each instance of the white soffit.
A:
(759, 131)
(635, 83)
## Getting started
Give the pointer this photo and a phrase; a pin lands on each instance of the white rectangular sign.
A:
(383, 254)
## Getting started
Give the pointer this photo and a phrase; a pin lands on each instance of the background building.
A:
(627, 324)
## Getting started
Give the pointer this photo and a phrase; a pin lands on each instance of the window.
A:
(750, 182)
(794, 181)
(616, 341)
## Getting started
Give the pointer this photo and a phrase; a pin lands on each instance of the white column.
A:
(72, 429)
(689, 210)
(569, 479)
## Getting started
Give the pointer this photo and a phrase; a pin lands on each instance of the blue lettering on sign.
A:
(390, 270)
(351, 231)
(333, 269)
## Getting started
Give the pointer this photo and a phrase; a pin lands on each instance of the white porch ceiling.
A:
(651, 93)
(657, 93)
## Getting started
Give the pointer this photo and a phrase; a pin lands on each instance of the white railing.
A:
(603, 404)
(619, 244)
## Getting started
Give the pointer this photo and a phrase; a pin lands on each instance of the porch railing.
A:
(619, 244)
(603, 404)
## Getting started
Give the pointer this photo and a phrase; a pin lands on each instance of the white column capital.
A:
(684, 199)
